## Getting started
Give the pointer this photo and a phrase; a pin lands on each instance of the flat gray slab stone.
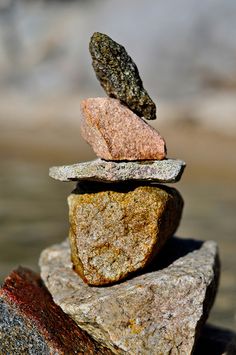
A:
(159, 312)
(163, 171)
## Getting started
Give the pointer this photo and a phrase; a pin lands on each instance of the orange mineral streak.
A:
(116, 233)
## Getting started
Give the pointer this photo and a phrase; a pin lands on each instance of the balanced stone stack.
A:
(122, 283)
(119, 222)
(159, 288)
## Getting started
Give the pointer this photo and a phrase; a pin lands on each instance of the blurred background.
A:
(186, 55)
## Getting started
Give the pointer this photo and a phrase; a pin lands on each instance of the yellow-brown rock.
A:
(117, 231)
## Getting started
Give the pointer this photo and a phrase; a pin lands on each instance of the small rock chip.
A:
(168, 170)
(116, 133)
(31, 323)
(160, 312)
(116, 231)
(119, 75)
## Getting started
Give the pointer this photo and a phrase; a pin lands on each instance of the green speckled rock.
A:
(119, 75)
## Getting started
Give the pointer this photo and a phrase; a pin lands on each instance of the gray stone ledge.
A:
(163, 171)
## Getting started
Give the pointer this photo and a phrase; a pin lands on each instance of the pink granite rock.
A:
(116, 133)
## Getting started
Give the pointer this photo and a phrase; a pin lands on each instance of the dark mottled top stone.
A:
(119, 75)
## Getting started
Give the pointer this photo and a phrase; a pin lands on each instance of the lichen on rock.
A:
(159, 312)
(119, 75)
(117, 230)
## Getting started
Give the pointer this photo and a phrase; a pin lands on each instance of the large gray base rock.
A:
(167, 170)
(160, 312)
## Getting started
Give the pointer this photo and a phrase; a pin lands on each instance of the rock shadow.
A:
(215, 340)
(91, 187)
(174, 249)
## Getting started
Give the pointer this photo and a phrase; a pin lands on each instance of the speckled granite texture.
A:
(119, 75)
(116, 230)
(31, 323)
(159, 312)
(116, 133)
(167, 170)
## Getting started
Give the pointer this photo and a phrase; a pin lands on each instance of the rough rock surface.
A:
(116, 230)
(160, 312)
(167, 170)
(119, 75)
(116, 133)
(29, 318)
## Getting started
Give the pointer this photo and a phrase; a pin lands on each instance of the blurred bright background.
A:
(186, 54)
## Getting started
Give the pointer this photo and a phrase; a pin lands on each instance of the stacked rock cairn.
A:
(121, 277)
(159, 288)
(120, 218)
